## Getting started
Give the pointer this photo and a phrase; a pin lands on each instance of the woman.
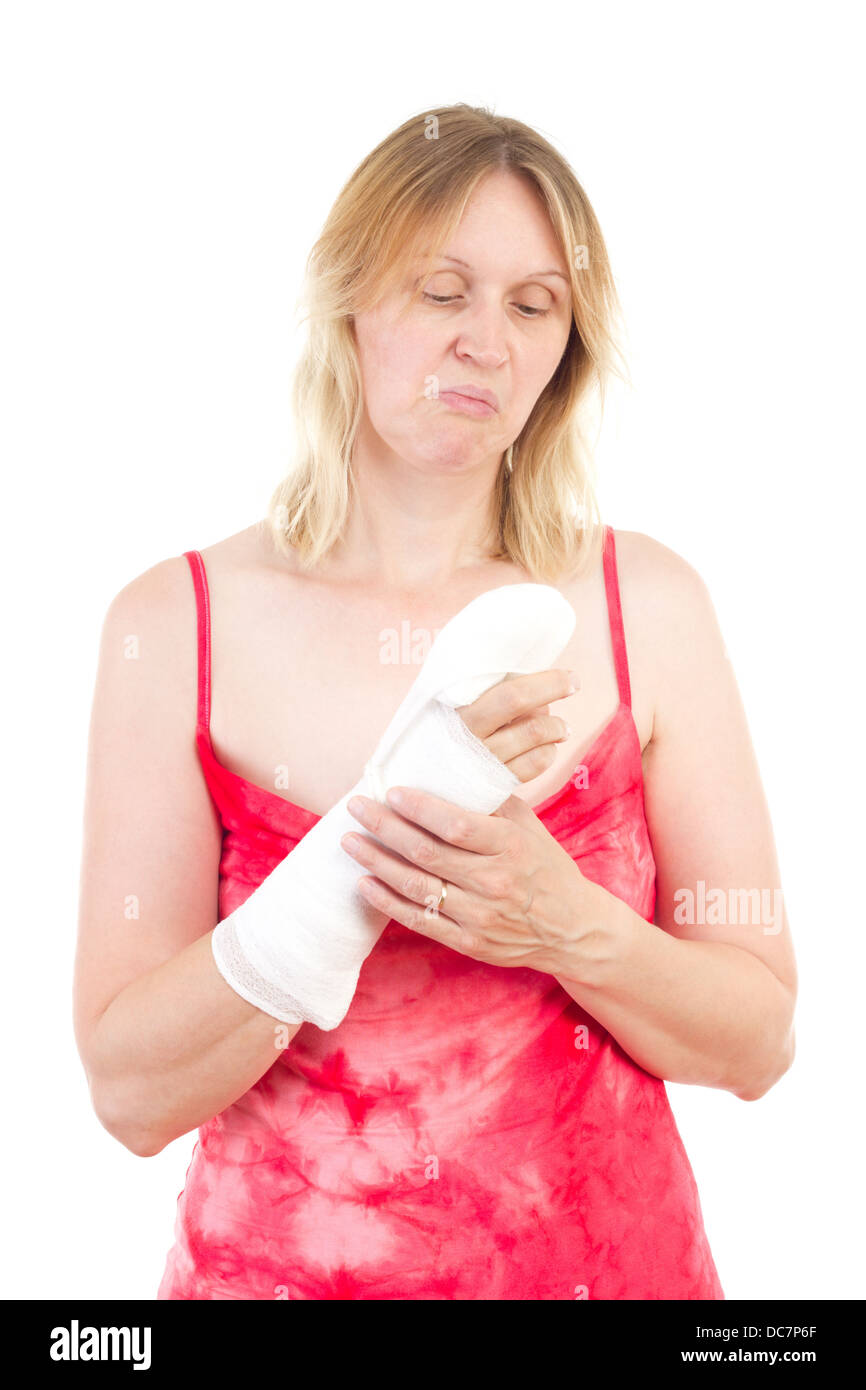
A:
(489, 1120)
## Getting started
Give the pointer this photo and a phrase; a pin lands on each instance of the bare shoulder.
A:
(148, 643)
(674, 643)
(252, 550)
(655, 580)
(150, 616)
(164, 592)
(152, 593)
(667, 607)
(145, 687)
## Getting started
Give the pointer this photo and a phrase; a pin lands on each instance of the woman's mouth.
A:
(466, 405)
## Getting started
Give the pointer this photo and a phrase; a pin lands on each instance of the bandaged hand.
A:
(295, 947)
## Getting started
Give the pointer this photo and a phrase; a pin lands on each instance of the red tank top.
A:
(468, 1131)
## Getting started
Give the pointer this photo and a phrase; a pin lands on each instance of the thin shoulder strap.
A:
(614, 611)
(202, 608)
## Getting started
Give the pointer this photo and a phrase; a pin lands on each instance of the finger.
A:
(518, 811)
(434, 924)
(407, 881)
(467, 830)
(407, 845)
(515, 697)
(537, 734)
(528, 766)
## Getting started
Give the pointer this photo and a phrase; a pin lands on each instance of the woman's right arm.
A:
(166, 1044)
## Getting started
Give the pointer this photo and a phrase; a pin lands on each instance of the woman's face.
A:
(495, 316)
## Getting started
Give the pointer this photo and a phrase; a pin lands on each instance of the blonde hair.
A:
(407, 194)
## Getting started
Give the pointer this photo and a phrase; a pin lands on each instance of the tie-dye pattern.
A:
(468, 1131)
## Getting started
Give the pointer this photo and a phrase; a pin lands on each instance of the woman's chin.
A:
(454, 455)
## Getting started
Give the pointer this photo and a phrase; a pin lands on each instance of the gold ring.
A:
(443, 895)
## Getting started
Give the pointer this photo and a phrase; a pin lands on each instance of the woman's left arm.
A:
(705, 996)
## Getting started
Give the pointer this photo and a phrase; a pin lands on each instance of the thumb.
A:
(515, 809)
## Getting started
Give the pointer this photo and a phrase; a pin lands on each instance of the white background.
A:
(165, 170)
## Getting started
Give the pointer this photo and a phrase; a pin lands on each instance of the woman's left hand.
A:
(514, 896)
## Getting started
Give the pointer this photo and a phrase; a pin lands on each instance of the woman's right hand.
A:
(513, 719)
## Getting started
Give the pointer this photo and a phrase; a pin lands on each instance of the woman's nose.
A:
(482, 336)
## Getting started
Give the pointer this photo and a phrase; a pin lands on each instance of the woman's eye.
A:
(528, 310)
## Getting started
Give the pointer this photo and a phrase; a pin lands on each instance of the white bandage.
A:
(295, 947)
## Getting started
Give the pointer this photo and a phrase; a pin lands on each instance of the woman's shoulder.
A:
(656, 582)
(670, 623)
(251, 549)
(160, 600)
(160, 582)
